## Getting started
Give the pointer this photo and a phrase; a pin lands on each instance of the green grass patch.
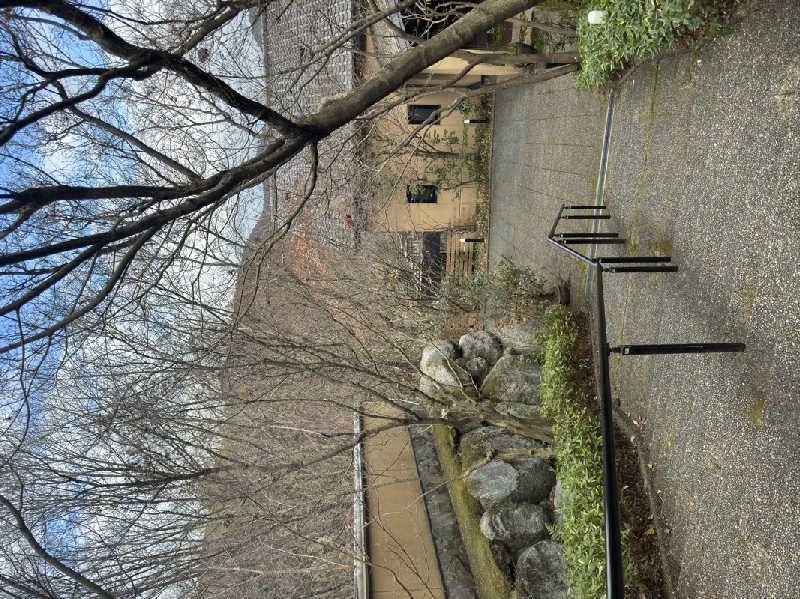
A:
(577, 444)
(490, 582)
(637, 29)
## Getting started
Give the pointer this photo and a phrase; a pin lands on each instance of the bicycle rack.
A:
(615, 588)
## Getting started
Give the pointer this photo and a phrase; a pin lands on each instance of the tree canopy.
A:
(134, 138)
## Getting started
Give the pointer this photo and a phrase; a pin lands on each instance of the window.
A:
(421, 194)
(420, 113)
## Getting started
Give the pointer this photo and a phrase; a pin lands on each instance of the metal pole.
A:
(677, 348)
(570, 251)
(555, 224)
(632, 259)
(568, 235)
(594, 240)
(617, 269)
(586, 217)
(615, 587)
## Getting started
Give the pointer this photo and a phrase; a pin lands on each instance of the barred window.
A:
(421, 194)
(420, 113)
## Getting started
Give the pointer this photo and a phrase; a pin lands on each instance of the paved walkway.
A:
(402, 559)
(704, 165)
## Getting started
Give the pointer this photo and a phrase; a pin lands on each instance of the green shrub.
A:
(637, 29)
(514, 290)
(577, 443)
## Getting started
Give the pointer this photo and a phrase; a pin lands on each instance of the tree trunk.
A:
(393, 75)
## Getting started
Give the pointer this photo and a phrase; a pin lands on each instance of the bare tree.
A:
(156, 432)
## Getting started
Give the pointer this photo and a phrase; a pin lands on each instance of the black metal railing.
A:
(615, 586)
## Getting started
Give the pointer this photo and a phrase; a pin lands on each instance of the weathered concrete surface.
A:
(453, 560)
(704, 165)
(402, 557)
(545, 153)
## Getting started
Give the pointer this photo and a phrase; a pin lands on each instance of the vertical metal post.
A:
(618, 269)
(586, 217)
(568, 235)
(594, 241)
(632, 259)
(615, 586)
(677, 348)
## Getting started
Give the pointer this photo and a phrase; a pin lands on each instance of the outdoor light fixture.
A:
(597, 17)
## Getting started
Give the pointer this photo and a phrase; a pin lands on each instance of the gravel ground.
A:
(704, 165)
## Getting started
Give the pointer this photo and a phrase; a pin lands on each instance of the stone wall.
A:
(510, 474)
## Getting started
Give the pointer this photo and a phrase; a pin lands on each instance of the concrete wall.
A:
(429, 156)
(406, 154)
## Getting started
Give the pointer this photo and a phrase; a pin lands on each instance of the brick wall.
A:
(301, 75)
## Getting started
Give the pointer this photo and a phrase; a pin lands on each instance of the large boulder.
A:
(428, 386)
(476, 444)
(477, 368)
(493, 482)
(460, 591)
(441, 348)
(513, 380)
(535, 480)
(439, 365)
(481, 344)
(539, 572)
(520, 338)
(526, 479)
(516, 525)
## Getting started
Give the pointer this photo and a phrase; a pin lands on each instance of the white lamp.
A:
(597, 17)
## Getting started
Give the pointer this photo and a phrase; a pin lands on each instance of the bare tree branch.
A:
(50, 559)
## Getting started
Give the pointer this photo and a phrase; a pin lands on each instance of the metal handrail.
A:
(615, 584)
(360, 568)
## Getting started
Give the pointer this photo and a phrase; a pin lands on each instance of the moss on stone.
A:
(490, 583)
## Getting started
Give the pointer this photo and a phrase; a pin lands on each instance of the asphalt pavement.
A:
(703, 165)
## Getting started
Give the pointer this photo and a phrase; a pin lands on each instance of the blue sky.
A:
(27, 151)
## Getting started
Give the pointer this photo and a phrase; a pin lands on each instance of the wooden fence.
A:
(460, 255)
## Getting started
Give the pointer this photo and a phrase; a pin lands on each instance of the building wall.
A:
(405, 154)
(425, 159)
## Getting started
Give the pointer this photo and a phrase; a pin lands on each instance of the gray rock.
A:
(438, 363)
(477, 443)
(520, 338)
(539, 572)
(512, 380)
(516, 525)
(536, 479)
(482, 344)
(527, 479)
(428, 386)
(460, 592)
(477, 367)
(492, 483)
(441, 347)
(518, 410)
